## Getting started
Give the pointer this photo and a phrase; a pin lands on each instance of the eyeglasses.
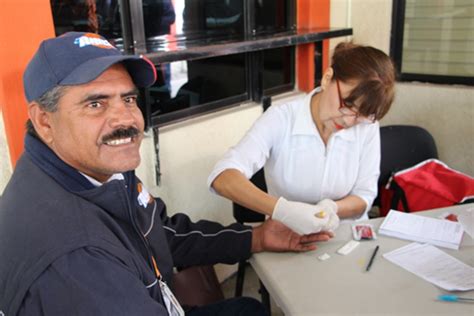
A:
(349, 111)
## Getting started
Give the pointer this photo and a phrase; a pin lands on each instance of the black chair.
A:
(403, 146)
(245, 215)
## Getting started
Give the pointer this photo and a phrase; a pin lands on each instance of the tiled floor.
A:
(251, 287)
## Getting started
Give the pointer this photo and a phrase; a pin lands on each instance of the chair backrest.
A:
(403, 146)
(246, 215)
(241, 213)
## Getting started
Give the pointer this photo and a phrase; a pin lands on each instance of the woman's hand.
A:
(301, 217)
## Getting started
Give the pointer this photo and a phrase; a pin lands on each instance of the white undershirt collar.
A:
(116, 176)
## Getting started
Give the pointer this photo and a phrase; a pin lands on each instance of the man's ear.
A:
(326, 79)
(41, 121)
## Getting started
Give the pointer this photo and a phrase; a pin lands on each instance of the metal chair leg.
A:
(265, 298)
(239, 285)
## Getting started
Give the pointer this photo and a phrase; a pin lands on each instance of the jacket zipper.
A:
(150, 258)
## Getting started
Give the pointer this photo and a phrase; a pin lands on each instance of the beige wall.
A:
(446, 111)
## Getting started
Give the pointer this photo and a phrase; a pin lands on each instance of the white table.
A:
(302, 285)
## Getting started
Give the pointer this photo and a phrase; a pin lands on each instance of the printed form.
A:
(434, 265)
(423, 229)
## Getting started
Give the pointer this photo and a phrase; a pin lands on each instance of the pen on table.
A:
(454, 298)
(372, 258)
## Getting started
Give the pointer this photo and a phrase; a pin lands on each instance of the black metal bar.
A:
(248, 74)
(291, 9)
(396, 36)
(249, 18)
(208, 48)
(265, 298)
(318, 63)
(266, 102)
(239, 285)
(256, 77)
(126, 23)
(249, 32)
(156, 142)
(144, 103)
(293, 66)
(138, 26)
(437, 79)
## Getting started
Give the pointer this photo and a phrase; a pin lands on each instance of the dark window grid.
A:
(463, 40)
(421, 5)
(254, 51)
(437, 61)
(252, 44)
(134, 32)
(437, 79)
(133, 41)
(437, 28)
(439, 50)
(254, 88)
(232, 91)
(254, 76)
(396, 48)
(431, 17)
(258, 83)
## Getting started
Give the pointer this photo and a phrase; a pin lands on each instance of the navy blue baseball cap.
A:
(76, 58)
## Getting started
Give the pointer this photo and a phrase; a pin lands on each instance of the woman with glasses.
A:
(321, 152)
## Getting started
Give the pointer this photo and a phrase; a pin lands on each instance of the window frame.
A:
(134, 42)
(396, 48)
(252, 44)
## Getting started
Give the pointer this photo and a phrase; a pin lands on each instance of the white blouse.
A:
(298, 165)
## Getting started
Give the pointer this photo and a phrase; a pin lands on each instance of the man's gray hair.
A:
(47, 102)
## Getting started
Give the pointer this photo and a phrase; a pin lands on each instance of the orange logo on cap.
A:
(89, 39)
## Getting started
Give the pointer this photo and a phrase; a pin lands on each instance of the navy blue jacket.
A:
(68, 248)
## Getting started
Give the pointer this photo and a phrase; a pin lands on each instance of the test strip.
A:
(348, 247)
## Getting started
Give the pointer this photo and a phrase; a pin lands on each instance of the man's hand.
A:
(300, 217)
(274, 236)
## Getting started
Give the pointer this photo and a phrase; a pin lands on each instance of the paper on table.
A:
(466, 219)
(434, 265)
(422, 229)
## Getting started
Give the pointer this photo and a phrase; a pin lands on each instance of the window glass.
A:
(193, 18)
(187, 88)
(272, 15)
(95, 16)
(278, 67)
(185, 84)
(438, 38)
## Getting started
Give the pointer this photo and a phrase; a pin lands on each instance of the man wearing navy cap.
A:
(79, 234)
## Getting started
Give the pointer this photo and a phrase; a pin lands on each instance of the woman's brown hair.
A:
(373, 70)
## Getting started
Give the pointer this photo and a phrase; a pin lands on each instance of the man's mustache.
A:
(121, 133)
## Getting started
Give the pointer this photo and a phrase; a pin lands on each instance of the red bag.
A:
(427, 185)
